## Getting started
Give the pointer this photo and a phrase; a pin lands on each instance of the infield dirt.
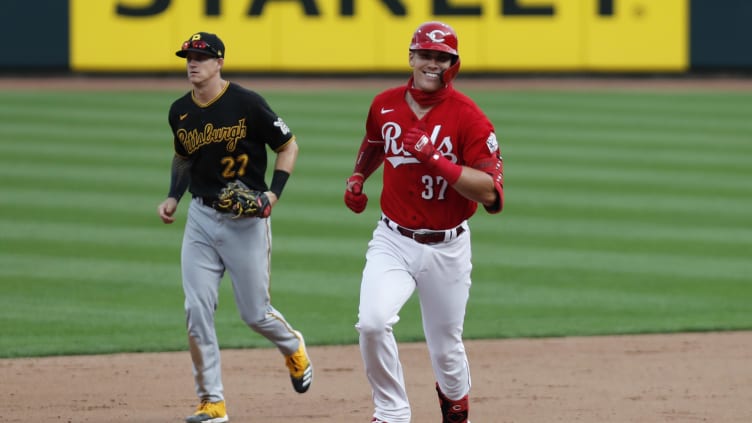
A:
(695, 377)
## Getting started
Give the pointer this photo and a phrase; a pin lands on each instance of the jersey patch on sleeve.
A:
(279, 123)
(491, 143)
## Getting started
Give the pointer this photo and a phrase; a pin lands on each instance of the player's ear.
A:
(411, 59)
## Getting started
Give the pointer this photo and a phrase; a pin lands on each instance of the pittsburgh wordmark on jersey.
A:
(193, 140)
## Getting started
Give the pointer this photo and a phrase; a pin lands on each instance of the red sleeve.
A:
(498, 177)
(370, 156)
(494, 166)
(485, 155)
(371, 152)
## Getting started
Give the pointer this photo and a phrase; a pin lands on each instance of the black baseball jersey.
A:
(226, 139)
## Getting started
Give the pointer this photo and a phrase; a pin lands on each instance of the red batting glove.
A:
(355, 199)
(416, 142)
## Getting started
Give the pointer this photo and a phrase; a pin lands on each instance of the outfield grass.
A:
(627, 212)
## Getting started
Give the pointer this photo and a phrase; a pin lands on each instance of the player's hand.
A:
(417, 142)
(272, 197)
(166, 210)
(355, 199)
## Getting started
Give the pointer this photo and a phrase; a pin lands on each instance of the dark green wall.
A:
(720, 34)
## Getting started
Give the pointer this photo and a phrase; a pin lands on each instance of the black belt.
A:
(210, 202)
(207, 201)
(425, 236)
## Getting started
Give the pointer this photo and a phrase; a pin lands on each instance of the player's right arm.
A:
(370, 156)
(179, 180)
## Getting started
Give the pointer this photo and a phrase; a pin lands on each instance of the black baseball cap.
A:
(203, 42)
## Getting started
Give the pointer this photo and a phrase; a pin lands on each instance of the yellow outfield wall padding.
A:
(321, 36)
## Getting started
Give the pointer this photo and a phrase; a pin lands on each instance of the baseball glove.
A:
(243, 202)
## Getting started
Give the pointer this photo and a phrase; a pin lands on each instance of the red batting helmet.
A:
(435, 36)
(440, 37)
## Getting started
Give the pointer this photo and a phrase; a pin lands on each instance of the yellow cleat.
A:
(301, 369)
(209, 412)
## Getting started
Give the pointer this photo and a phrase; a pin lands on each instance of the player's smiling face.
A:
(428, 66)
(202, 67)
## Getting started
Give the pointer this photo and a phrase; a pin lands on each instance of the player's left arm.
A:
(287, 156)
(482, 177)
(494, 169)
(282, 141)
(482, 180)
(479, 186)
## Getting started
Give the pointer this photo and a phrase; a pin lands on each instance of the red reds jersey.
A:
(412, 196)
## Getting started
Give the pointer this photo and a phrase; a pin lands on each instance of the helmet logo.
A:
(437, 36)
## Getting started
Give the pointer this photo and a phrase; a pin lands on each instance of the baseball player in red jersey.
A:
(441, 159)
(221, 134)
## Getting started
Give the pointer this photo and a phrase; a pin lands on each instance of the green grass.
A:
(627, 212)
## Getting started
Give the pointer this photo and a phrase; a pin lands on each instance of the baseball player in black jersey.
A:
(221, 134)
